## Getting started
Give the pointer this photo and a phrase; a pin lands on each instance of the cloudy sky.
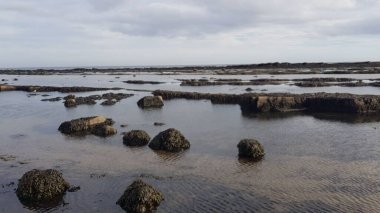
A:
(39, 33)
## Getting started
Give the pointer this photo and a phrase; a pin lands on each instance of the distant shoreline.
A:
(263, 68)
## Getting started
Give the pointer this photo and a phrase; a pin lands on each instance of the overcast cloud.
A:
(174, 32)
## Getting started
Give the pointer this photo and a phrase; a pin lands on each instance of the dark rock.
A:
(70, 103)
(142, 82)
(69, 97)
(103, 130)
(140, 197)
(249, 89)
(170, 140)
(74, 189)
(124, 125)
(41, 186)
(158, 124)
(86, 124)
(136, 138)
(52, 99)
(250, 148)
(109, 102)
(151, 102)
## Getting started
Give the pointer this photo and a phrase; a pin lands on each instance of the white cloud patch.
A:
(191, 31)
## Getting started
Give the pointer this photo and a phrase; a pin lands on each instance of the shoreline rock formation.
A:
(286, 102)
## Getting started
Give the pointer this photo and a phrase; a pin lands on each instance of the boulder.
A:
(140, 197)
(109, 102)
(136, 138)
(70, 103)
(151, 102)
(170, 140)
(251, 148)
(41, 186)
(83, 124)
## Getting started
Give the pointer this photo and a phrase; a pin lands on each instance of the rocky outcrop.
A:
(140, 197)
(251, 148)
(41, 186)
(97, 125)
(170, 140)
(52, 89)
(136, 138)
(142, 82)
(285, 102)
(111, 99)
(151, 102)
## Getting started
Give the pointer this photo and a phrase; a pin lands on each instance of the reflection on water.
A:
(345, 118)
(313, 162)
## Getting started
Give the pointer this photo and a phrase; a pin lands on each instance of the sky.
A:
(66, 33)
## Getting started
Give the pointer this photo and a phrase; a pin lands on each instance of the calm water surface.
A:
(313, 162)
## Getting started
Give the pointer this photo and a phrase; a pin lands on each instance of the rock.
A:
(70, 103)
(158, 124)
(52, 99)
(151, 102)
(124, 125)
(249, 89)
(69, 97)
(170, 140)
(142, 82)
(74, 189)
(41, 186)
(82, 124)
(140, 197)
(7, 88)
(136, 138)
(250, 148)
(103, 130)
(109, 102)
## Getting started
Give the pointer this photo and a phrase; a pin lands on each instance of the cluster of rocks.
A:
(39, 188)
(305, 82)
(97, 125)
(170, 140)
(285, 102)
(110, 99)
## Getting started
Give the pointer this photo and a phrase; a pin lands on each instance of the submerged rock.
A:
(251, 148)
(140, 197)
(170, 140)
(97, 125)
(41, 186)
(108, 102)
(103, 130)
(136, 138)
(151, 102)
(158, 124)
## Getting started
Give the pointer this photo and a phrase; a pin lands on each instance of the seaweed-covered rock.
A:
(151, 102)
(140, 197)
(170, 140)
(41, 186)
(70, 103)
(136, 138)
(250, 148)
(103, 130)
(109, 102)
(86, 124)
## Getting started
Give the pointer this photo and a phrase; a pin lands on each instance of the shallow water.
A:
(313, 162)
(171, 82)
